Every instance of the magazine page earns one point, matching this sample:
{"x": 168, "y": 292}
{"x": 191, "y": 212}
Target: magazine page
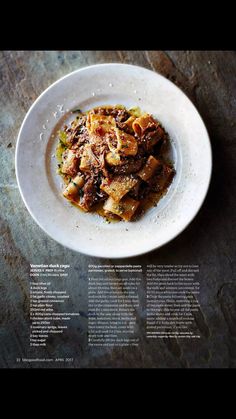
{"x": 117, "y": 209}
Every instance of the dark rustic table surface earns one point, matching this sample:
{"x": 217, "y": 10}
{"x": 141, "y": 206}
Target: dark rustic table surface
{"x": 209, "y": 80}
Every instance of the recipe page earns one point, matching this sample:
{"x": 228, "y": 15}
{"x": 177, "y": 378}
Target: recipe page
{"x": 117, "y": 245}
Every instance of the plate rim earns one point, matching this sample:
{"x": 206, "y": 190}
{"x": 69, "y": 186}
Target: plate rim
{"x": 95, "y": 254}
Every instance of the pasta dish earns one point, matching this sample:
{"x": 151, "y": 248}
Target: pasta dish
{"x": 113, "y": 161}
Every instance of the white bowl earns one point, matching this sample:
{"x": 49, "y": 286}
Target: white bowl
{"x": 88, "y": 233}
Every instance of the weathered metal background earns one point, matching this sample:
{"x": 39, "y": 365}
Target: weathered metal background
{"x": 209, "y": 79}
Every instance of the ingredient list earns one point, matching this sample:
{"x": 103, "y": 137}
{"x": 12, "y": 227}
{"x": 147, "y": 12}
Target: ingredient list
{"x": 47, "y": 314}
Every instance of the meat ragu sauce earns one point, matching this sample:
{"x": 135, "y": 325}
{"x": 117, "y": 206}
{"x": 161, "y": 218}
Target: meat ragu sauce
{"x": 112, "y": 162}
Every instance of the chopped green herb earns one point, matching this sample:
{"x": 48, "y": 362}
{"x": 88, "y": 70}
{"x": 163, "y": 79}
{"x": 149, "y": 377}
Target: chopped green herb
{"x": 63, "y": 137}
{"x": 76, "y": 110}
{"x": 135, "y": 111}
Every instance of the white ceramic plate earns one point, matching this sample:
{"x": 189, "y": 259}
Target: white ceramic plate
{"x": 41, "y": 187}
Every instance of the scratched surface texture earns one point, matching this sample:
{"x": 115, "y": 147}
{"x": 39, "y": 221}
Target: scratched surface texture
{"x": 208, "y": 78}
